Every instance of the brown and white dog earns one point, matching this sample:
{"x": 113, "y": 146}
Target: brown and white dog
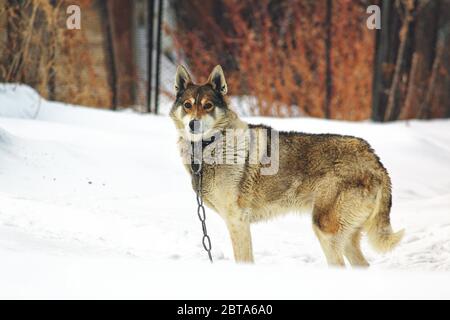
{"x": 338, "y": 178}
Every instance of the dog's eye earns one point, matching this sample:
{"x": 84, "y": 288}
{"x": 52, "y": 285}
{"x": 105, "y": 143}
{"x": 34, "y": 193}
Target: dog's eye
{"x": 207, "y": 106}
{"x": 187, "y": 105}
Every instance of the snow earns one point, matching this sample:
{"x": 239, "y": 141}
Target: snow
{"x": 96, "y": 204}
{"x": 18, "y": 101}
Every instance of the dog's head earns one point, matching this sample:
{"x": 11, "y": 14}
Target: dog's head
{"x": 200, "y": 111}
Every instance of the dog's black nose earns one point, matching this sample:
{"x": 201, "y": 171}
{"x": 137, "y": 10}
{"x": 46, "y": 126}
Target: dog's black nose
{"x": 194, "y": 125}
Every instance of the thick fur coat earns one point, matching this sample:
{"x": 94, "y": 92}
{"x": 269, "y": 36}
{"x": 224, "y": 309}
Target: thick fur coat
{"x": 339, "y": 179}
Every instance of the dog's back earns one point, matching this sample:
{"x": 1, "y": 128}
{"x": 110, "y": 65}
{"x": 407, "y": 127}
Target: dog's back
{"x": 339, "y": 177}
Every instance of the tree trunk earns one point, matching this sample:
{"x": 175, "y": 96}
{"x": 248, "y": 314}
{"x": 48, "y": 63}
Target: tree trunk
{"x": 158, "y": 54}
{"x": 425, "y": 35}
{"x": 439, "y": 101}
{"x": 328, "y": 75}
{"x": 387, "y": 42}
{"x": 416, "y": 85}
{"x": 150, "y": 14}
{"x": 393, "y": 98}
{"x": 111, "y": 53}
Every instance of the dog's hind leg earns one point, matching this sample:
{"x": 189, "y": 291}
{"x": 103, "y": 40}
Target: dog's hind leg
{"x": 331, "y": 246}
{"x": 353, "y": 252}
{"x": 329, "y": 231}
{"x": 241, "y": 239}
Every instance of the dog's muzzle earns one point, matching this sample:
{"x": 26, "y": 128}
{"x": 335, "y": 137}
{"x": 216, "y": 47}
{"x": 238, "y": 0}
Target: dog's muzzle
{"x": 195, "y": 126}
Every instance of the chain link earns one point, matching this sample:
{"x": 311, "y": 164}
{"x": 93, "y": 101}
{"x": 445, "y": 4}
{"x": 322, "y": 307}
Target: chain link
{"x": 206, "y": 240}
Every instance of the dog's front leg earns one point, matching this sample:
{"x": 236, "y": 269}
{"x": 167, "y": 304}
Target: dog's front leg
{"x": 241, "y": 239}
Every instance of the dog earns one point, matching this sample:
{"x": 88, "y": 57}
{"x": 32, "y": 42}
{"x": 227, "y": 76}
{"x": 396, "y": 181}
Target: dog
{"x": 338, "y": 178}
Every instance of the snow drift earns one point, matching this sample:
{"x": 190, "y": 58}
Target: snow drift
{"x": 18, "y": 101}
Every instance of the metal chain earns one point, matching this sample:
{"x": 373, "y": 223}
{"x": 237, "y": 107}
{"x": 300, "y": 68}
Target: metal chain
{"x": 206, "y": 241}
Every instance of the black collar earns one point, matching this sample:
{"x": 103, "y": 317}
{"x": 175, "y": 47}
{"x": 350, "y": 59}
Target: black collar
{"x": 208, "y": 142}
{"x": 195, "y": 166}
{"x": 205, "y": 143}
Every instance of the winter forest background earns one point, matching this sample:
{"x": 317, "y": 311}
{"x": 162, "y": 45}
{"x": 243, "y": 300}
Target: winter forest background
{"x": 284, "y": 57}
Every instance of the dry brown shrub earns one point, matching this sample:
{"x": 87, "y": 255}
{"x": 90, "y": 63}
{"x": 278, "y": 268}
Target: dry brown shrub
{"x": 40, "y": 51}
{"x": 274, "y": 51}
{"x": 352, "y": 56}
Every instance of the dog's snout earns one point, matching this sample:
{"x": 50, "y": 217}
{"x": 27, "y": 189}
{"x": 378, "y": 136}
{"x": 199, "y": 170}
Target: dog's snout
{"x": 194, "y": 125}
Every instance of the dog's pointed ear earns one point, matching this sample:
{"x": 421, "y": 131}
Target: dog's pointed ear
{"x": 217, "y": 80}
{"x": 182, "y": 79}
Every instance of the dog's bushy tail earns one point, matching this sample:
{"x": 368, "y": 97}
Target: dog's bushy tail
{"x": 378, "y": 227}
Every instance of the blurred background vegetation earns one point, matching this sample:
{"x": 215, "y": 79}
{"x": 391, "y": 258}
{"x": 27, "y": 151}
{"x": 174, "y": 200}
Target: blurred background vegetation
{"x": 281, "y": 57}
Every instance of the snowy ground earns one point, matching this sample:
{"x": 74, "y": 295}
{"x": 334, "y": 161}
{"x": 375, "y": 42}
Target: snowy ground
{"x": 96, "y": 204}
